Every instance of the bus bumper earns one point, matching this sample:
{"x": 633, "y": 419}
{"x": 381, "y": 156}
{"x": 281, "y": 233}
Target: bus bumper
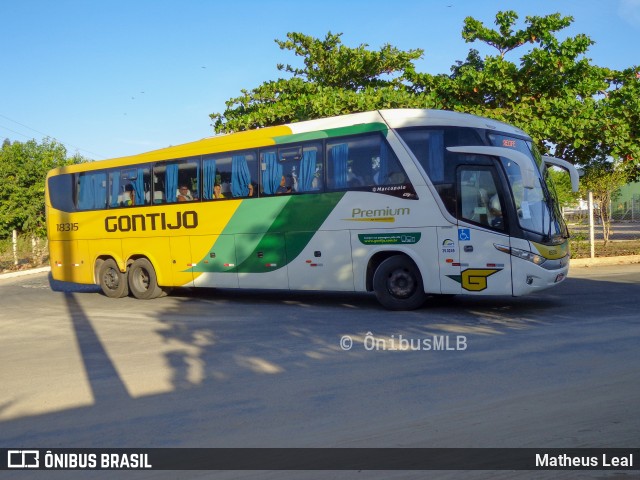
{"x": 529, "y": 278}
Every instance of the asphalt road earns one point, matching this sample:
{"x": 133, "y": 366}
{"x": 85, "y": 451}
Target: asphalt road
{"x": 269, "y": 369}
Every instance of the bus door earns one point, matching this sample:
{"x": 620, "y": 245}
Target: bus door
{"x": 484, "y": 270}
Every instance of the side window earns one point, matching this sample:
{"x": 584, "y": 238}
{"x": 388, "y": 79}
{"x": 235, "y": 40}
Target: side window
{"x": 129, "y": 187}
{"x": 311, "y": 173}
{"x": 289, "y": 157}
{"x": 91, "y": 190}
{"x": 291, "y": 169}
{"x": 429, "y": 147}
{"x": 61, "y": 192}
{"x": 176, "y": 181}
{"x": 363, "y": 163}
{"x": 229, "y": 175}
{"x": 479, "y": 200}
{"x": 279, "y": 172}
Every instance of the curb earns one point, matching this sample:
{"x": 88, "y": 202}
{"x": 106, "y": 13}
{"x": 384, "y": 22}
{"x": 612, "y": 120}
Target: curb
{"x": 604, "y": 261}
{"x": 22, "y": 273}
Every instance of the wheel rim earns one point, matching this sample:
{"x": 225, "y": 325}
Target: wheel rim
{"x": 142, "y": 279}
{"x": 111, "y": 279}
{"x": 401, "y": 284}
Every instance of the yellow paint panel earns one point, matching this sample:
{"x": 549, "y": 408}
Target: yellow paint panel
{"x": 69, "y": 261}
{"x": 236, "y": 141}
{"x": 552, "y": 252}
{"x": 140, "y": 231}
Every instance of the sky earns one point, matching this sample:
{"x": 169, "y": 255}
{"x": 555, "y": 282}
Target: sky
{"x": 110, "y": 78}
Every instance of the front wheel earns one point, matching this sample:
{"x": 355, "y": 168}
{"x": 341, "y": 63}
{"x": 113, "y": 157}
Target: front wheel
{"x": 398, "y": 284}
{"x": 143, "y": 283}
{"x": 112, "y": 281}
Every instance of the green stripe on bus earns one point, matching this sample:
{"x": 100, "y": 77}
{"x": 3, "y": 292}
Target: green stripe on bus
{"x": 303, "y": 214}
{"x": 255, "y": 235}
{"x": 332, "y": 132}
{"x": 254, "y": 217}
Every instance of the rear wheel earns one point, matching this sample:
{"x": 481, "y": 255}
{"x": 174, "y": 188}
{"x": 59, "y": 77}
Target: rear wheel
{"x": 143, "y": 283}
{"x": 113, "y": 282}
{"x": 398, "y": 284}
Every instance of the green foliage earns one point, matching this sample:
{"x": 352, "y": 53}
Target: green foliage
{"x": 539, "y": 29}
{"x": 573, "y": 109}
{"x": 23, "y": 169}
{"x": 329, "y": 63}
{"x": 335, "y": 80}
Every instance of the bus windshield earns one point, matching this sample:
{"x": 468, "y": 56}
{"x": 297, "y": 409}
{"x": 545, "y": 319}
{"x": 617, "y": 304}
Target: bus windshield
{"x": 536, "y": 207}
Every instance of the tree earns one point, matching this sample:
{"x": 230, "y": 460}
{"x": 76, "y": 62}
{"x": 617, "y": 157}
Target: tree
{"x": 572, "y": 109}
{"x": 335, "y": 80}
{"x": 23, "y": 169}
{"x": 555, "y": 93}
{"x": 584, "y": 113}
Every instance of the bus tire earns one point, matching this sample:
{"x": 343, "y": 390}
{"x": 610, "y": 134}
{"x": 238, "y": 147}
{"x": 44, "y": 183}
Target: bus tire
{"x": 398, "y": 285}
{"x": 112, "y": 281}
{"x": 143, "y": 283}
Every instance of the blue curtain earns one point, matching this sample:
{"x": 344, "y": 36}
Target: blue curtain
{"x": 115, "y": 189}
{"x": 435, "y": 159}
{"x": 138, "y": 186}
{"x": 272, "y": 173}
{"x": 240, "y": 176}
{"x": 209, "y": 178}
{"x": 171, "y": 183}
{"x": 339, "y": 155}
{"x": 307, "y": 170}
{"x": 93, "y": 191}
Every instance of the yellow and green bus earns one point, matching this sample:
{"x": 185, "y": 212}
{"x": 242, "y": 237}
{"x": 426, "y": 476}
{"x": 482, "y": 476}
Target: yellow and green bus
{"x": 404, "y": 203}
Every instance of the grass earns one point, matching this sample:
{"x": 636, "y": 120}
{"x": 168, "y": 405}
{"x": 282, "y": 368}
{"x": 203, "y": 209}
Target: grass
{"x": 24, "y": 253}
{"x": 580, "y": 248}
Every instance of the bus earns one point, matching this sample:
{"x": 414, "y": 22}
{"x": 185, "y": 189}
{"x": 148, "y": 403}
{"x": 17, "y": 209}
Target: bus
{"x": 404, "y": 203}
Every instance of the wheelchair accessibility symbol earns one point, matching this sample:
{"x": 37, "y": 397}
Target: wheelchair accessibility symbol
{"x": 464, "y": 234}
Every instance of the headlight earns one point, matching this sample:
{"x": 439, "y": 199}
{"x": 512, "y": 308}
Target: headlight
{"x": 524, "y": 254}
{"x": 529, "y": 256}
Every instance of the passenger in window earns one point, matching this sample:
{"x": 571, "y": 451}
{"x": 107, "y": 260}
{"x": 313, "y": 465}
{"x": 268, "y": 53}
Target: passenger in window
{"x": 131, "y": 194}
{"x": 283, "y": 189}
{"x": 217, "y": 191}
{"x": 184, "y": 195}
{"x": 250, "y": 194}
